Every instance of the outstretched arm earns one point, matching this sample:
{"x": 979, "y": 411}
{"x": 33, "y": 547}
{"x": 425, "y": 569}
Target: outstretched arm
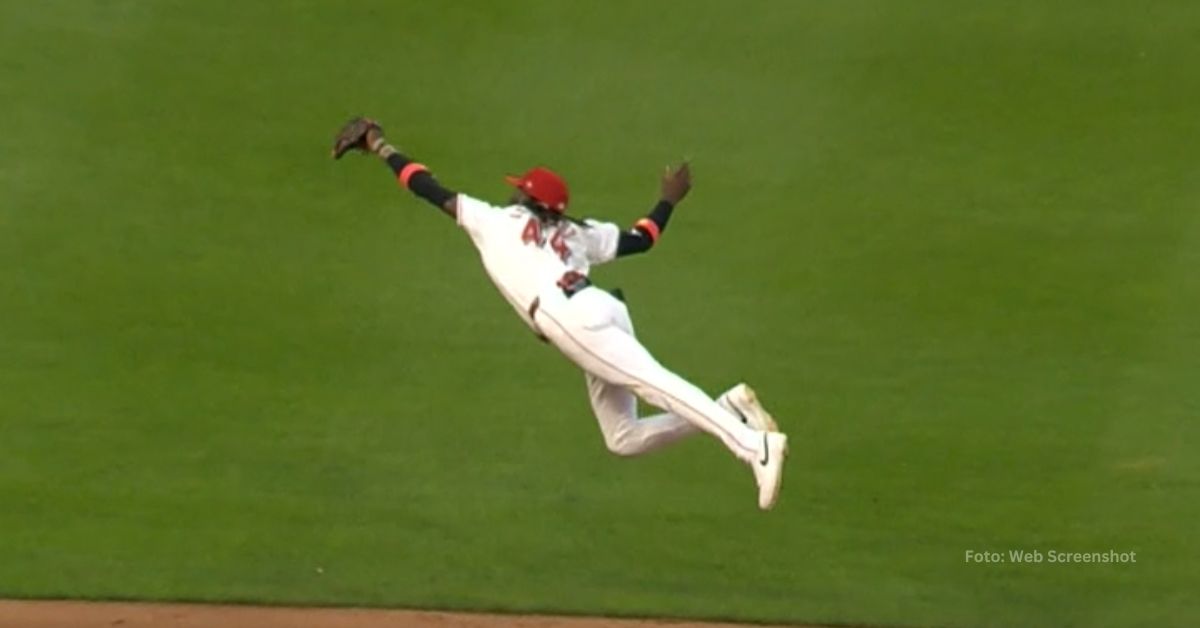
{"x": 646, "y": 231}
{"x": 413, "y": 175}
{"x": 366, "y": 135}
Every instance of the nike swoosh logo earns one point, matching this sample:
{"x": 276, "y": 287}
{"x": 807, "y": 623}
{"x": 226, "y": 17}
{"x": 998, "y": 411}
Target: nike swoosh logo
{"x": 766, "y": 451}
{"x": 745, "y": 421}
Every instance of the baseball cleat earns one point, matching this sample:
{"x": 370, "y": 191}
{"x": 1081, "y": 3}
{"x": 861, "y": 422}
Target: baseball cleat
{"x": 742, "y": 402}
{"x": 768, "y": 468}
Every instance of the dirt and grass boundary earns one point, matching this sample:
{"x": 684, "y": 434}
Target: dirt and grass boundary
{"x": 80, "y": 614}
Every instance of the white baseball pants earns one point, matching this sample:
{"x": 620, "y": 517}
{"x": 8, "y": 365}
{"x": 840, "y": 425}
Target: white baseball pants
{"x": 593, "y": 329}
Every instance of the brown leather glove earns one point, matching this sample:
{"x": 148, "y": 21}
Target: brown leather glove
{"x": 353, "y": 136}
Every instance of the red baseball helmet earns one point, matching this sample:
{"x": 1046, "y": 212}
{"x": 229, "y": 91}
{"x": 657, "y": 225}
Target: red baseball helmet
{"x": 543, "y": 186}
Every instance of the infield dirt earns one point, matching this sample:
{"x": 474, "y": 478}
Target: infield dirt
{"x": 70, "y": 614}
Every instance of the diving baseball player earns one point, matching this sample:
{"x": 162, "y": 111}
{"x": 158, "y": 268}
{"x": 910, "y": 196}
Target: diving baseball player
{"x": 539, "y": 258}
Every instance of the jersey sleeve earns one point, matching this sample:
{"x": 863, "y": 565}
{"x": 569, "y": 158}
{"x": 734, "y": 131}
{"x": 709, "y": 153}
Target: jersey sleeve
{"x": 600, "y": 241}
{"x": 472, "y": 214}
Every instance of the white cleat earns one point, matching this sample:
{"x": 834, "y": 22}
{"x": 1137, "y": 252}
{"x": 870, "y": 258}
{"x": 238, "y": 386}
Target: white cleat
{"x": 768, "y": 468}
{"x": 742, "y": 403}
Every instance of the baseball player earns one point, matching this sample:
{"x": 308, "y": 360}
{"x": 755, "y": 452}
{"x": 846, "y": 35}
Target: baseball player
{"x": 539, "y": 258}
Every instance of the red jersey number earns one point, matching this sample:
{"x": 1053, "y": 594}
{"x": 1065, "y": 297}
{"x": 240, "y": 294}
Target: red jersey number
{"x": 558, "y": 242}
{"x": 532, "y": 234}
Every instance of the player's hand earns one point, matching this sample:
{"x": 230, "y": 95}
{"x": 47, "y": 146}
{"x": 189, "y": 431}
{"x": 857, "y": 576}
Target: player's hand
{"x": 373, "y": 138}
{"x": 676, "y": 183}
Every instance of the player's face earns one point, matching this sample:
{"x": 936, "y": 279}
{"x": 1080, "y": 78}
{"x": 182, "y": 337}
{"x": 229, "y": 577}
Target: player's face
{"x": 518, "y": 198}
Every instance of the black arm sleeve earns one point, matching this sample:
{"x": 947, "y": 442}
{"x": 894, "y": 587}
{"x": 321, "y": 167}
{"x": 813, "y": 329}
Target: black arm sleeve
{"x": 421, "y": 183}
{"x": 661, "y": 214}
{"x": 641, "y": 237}
{"x": 633, "y": 241}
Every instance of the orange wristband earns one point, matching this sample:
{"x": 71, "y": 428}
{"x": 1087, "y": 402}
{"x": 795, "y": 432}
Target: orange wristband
{"x": 409, "y": 170}
{"x": 650, "y": 227}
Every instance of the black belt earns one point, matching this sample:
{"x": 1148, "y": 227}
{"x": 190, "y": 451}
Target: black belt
{"x": 571, "y": 283}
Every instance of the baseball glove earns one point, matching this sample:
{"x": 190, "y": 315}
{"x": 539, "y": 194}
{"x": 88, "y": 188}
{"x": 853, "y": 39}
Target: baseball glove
{"x": 353, "y": 136}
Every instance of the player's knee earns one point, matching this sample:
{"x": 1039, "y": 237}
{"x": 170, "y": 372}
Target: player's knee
{"x": 622, "y": 444}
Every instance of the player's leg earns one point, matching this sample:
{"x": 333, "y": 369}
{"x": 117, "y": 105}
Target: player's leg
{"x": 616, "y": 411}
{"x": 616, "y": 407}
{"x": 624, "y": 433}
{"x": 618, "y": 357}
{"x": 589, "y": 331}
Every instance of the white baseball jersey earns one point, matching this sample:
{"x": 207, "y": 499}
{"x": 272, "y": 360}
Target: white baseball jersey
{"x": 524, "y": 257}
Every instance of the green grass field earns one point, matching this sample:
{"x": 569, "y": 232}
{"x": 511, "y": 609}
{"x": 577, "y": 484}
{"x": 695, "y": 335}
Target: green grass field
{"x": 955, "y": 246}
